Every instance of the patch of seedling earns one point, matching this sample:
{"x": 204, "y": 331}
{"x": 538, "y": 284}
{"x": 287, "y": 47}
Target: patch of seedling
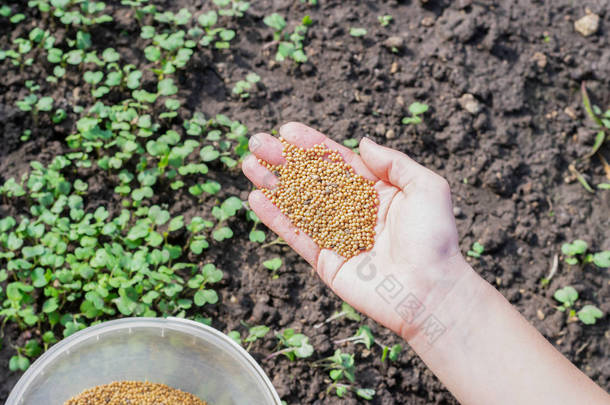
{"x": 254, "y": 333}
{"x": 577, "y": 252}
{"x": 242, "y": 87}
{"x": 357, "y": 31}
{"x": 417, "y": 111}
{"x": 601, "y": 121}
{"x": 385, "y": 20}
{"x": 342, "y": 372}
{"x": 567, "y": 296}
{"x": 292, "y": 345}
{"x": 66, "y": 265}
{"x": 273, "y": 265}
{"x": 365, "y": 336}
{"x": 347, "y": 311}
{"x": 289, "y": 45}
{"x": 476, "y": 250}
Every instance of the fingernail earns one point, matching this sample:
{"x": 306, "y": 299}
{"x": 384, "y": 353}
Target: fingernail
{"x": 254, "y": 143}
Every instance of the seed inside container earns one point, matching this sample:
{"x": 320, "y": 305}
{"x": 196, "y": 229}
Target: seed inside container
{"x": 323, "y": 196}
{"x": 134, "y": 392}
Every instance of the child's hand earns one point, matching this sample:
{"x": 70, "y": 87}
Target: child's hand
{"x": 416, "y": 237}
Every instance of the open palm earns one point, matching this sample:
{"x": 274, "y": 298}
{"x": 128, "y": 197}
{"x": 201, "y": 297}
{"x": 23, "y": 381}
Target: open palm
{"x": 415, "y": 232}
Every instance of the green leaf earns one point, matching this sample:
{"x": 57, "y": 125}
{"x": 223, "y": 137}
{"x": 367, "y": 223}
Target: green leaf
{"x": 18, "y": 363}
{"x": 211, "y": 187}
{"x": 477, "y": 247}
{"x": 197, "y": 245}
{"x": 166, "y": 87}
{"x": 176, "y": 223}
{"x": 366, "y": 393}
{"x": 256, "y": 332}
{"x": 223, "y": 233}
{"x": 273, "y": 264}
{"x": 587, "y": 104}
{"x": 231, "y": 205}
{"x": 578, "y": 247}
{"x": 211, "y": 274}
{"x": 418, "y": 108}
{"x": 589, "y": 314}
{"x": 50, "y": 305}
{"x": 395, "y": 352}
{"x": 110, "y": 55}
{"x": 350, "y": 312}
{"x": 275, "y": 21}
{"x": 235, "y": 336}
{"x": 357, "y": 32}
{"x": 304, "y": 351}
{"x": 566, "y": 295}
{"x": 366, "y": 336}
{"x": 203, "y": 297}
{"x": 152, "y": 53}
{"x": 602, "y": 259}
{"x": 44, "y": 104}
{"x": 257, "y": 236}
{"x": 208, "y": 153}
{"x": 208, "y": 19}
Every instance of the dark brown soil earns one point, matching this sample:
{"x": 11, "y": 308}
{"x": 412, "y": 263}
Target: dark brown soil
{"x": 507, "y": 164}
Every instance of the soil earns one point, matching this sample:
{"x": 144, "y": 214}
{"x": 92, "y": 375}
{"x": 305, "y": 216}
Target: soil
{"x": 507, "y": 160}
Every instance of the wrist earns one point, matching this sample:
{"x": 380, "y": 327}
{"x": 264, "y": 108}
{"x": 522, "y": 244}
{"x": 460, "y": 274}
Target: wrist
{"x": 448, "y": 287}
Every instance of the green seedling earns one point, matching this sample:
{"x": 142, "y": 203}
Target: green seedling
{"x": 357, "y": 32}
{"x": 273, "y": 265}
{"x": 417, "y": 111}
{"x": 277, "y": 22}
{"x": 385, "y": 20}
{"x": 288, "y": 45}
{"x": 602, "y": 123}
{"x": 232, "y": 8}
{"x": 352, "y": 143}
{"x": 342, "y": 369}
{"x": 363, "y": 335}
{"x": 589, "y": 314}
{"x": 140, "y": 8}
{"x": 346, "y": 312}
{"x": 34, "y": 104}
{"x": 255, "y": 235}
{"x": 567, "y": 296}
{"x": 292, "y": 345}
{"x": 476, "y": 250}
{"x": 242, "y": 87}
{"x": 574, "y": 250}
{"x": 255, "y": 333}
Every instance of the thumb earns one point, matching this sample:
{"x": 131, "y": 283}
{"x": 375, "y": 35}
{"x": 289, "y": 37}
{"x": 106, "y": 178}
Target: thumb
{"x": 390, "y": 165}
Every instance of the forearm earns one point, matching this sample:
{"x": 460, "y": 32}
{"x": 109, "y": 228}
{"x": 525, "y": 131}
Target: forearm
{"x": 488, "y": 353}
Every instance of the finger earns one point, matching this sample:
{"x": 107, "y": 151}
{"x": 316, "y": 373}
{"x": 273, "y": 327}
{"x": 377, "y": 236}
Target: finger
{"x": 271, "y": 216}
{"x": 257, "y": 173}
{"x": 390, "y": 165}
{"x": 306, "y": 137}
{"x": 266, "y": 147}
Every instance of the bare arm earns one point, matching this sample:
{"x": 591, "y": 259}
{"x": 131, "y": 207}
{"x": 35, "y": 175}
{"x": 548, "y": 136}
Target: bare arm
{"x": 415, "y": 282}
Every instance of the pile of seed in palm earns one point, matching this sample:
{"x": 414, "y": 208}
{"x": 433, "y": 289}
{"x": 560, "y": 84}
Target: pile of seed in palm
{"x": 134, "y": 393}
{"x": 324, "y": 197}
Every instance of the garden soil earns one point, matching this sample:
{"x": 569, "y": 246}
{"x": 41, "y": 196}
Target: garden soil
{"x": 505, "y": 151}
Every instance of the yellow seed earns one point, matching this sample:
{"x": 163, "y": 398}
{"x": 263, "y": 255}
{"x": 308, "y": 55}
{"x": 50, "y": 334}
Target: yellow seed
{"x": 325, "y": 198}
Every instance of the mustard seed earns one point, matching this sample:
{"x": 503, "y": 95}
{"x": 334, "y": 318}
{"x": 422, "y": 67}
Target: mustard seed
{"x": 132, "y": 393}
{"x": 325, "y": 198}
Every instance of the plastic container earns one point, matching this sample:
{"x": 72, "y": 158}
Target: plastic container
{"x": 182, "y": 354}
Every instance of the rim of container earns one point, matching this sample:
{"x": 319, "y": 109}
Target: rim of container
{"x": 195, "y": 328}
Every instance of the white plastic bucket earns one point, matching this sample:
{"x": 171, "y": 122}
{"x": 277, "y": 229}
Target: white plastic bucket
{"x": 182, "y": 354}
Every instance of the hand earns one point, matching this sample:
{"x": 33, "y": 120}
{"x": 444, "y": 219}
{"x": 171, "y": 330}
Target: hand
{"x": 416, "y": 239}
